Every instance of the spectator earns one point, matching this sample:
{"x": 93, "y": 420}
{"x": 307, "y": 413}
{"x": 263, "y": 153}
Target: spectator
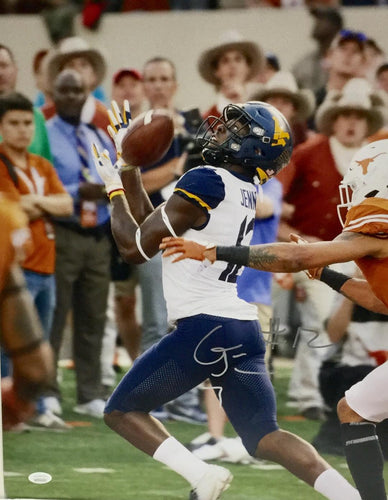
{"x": 121, "y": 315}
{"x": 382, "y": 77}
{"x": 374, "y": 57}
{"x": 83, "y": 244}
{"x": 127, "y": 83}
{"x": 8, "y": 77}
{"x": 297, "y": 105}
{"x": 39, "y": 69}
{"x": 42, "y": 196}
{"x": 75, "y": 53}
{"x": 229, "y": 67}
{"x": 160, "y": 87}
{"x": 346, "y": 59}
{"x": 271, "y": 66}
{"x": 311, "y": 71}
{"x": 346, "y": 119}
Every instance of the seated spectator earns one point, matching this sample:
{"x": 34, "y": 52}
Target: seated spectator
{"x": 74, "y": 53}
{"x": 229, "y": 67}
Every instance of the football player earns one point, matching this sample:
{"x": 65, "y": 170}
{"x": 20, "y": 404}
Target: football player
{"x": 217, "y": 335}
{"x": 21, "y": 333}
{"x": 363, "y": 239}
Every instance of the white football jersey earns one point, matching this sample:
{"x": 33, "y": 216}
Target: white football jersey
{"x": 192, "y": 287}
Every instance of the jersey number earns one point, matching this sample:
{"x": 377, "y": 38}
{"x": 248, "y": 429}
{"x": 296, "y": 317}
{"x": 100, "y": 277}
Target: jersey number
{"x": 231, "y": 271}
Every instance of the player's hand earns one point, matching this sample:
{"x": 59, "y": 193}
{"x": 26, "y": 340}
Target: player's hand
{"x": 312, "y": 274}
{"x": 186, "y": 248}
{"x": 108, "y": 172}
{"x": 119, "y": 123}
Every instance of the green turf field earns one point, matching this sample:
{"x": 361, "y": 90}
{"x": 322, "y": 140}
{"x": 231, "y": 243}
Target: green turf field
{"x": 90, "y": 462}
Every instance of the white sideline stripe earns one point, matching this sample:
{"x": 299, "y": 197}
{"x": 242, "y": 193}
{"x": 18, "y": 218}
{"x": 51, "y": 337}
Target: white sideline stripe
{"x": 93, "y": 470}
{"x": 13, "y": 474}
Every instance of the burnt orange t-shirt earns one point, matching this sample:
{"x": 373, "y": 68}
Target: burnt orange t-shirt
{"x": 371, "y": 218}
{"x": 14, "y": 235}
{"x": 39, "y": 178}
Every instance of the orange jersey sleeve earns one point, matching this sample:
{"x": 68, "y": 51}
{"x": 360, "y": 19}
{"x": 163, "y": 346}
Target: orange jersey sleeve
{"x": 371, "y": 218}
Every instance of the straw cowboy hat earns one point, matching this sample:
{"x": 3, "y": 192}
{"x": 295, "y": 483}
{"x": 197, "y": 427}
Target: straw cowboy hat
{"x": 357, "y": 95}
{"x": 283, "y": 83}
{"x": 208, "y": 60}
{"x": 76, "y": 47}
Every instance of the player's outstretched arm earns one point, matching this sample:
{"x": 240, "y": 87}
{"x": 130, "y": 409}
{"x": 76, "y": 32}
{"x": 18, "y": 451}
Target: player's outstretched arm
{"x": 286, "y": 257}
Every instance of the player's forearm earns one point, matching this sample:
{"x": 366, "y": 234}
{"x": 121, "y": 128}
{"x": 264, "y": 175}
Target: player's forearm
{"x": 292, "y": 258}
{"x": 137, "y": 198}
{"x": 60, "y": 204}
{"x": 124, "y": 227}
{"x": 277, "y": 257}
{"x": 360, "y": 292}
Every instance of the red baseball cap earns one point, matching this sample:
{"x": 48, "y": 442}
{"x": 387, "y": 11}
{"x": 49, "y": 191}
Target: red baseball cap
{"x": 127, "y": 71}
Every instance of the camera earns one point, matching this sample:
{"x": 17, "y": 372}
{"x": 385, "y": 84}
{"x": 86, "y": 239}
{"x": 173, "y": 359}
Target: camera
{"x": 187, "y": 142}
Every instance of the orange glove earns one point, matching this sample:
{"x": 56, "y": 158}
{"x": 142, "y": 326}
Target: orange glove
{"x": 15, "y": 410}
{"x": 186, "y": 248}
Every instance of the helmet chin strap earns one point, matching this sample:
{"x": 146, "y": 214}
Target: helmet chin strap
{"x": 262, "y": 175}
{"x": 213, "y": 156}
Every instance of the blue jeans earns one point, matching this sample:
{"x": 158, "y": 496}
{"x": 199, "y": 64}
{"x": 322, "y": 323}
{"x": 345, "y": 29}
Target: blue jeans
{"x": 154, "y": 313}
{"x": 42, "y": 290}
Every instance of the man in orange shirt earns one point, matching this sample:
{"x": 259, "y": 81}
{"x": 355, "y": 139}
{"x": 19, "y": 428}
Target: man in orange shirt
{"x": 34, "y": 181}
{"x": 364, "y": 240}
{"x": 21, "y": 334}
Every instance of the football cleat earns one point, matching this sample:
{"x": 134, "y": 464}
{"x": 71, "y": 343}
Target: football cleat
{"x": 216, "y": 480}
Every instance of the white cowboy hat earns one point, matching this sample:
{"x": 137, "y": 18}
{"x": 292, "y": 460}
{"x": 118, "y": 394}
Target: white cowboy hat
{"x": 357, "y": 95}
{"x": 208, "y": 60}
{"x": 76, "y": 47}
{"x": 283, "y": 83}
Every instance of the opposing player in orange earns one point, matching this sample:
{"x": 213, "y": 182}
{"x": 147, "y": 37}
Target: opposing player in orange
{"x": 21, "y": 333}
{"x": 364, "y": 240}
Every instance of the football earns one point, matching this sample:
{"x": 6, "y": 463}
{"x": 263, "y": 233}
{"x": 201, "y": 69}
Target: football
{"x": 148, "y": 138}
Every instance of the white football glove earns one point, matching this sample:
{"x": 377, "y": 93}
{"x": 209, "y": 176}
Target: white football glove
{"x": 119, "y": 123}
{"x": 108, "y": 172}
